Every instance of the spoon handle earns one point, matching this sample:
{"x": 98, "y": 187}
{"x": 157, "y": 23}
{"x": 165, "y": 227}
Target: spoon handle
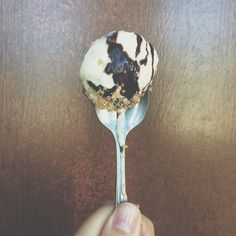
{"x": 121, "y": 195}
{"x": 124, "y": 197}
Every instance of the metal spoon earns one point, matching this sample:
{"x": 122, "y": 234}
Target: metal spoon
{"x": 120, "y": 125}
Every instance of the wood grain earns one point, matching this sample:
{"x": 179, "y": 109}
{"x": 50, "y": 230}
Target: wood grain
{"x": 57, "y": 162}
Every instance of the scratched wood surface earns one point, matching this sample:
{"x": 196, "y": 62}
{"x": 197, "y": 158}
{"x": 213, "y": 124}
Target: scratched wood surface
{"x": 57, "y": 162}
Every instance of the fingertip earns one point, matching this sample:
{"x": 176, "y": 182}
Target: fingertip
{"x": 125, "y": 220}
{"x": 126, "y": 217}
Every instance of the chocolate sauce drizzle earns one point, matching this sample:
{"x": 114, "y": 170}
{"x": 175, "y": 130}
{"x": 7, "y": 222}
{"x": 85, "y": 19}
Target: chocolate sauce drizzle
{"x": 123, "y": 69}
{"x": 152, "y": 53}
{"x": 144, "y": 61}
{"x": 139, "y": 42}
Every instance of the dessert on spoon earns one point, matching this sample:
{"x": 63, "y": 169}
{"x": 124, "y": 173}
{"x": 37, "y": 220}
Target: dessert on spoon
{"x": 116, "y": 73}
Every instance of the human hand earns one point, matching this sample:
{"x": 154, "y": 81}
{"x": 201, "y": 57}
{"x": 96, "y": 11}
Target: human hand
{"x": 125, "y": 220}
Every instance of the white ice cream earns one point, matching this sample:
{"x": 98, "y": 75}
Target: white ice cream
{"x": 121, "y": 63}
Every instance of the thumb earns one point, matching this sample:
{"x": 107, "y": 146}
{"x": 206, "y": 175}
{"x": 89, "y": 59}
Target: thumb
{"x": 125, "y": 220}
{"x": 94, "y": 224}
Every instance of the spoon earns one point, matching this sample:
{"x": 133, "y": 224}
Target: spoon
{"x": 120, "y": 124}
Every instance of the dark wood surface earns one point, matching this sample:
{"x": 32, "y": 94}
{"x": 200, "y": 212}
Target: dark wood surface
{"x": 57, "y": 162}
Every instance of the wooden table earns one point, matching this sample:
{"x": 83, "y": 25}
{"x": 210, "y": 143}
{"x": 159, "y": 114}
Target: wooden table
{"x": 57, "y": 162}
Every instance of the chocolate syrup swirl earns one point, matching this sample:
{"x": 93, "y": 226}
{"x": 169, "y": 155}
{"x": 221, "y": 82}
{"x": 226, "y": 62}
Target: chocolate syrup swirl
{"x": 152, "y": 53}
{"x": 124, "y": 69}
{"x": 139, "y": 42}
{"x": 144, "y": 61}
